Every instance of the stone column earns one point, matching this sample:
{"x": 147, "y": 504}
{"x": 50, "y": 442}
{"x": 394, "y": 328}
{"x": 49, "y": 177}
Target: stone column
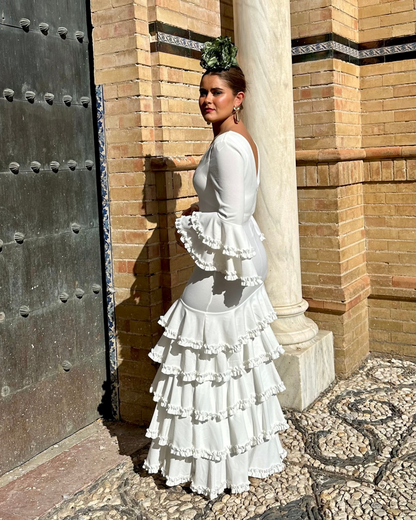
{"x": 262, "y": 29}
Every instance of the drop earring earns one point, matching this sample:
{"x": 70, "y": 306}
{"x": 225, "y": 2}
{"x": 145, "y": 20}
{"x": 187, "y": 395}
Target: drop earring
{"x": 236, "y": 112}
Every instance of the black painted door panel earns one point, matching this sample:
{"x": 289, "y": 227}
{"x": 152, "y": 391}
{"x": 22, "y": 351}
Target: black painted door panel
{"x": 52, "y": 335}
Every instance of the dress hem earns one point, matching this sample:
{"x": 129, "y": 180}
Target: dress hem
{"x": 219, "y": 455}
{"x": 235, "y": 488}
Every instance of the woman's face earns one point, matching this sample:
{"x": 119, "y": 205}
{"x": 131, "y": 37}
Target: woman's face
{"x": 216, "y": 99}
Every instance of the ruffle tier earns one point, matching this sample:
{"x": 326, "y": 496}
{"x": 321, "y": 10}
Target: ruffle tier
{"x": 193, "y": 365}
{"x": 209, "y": 400}
{"x": 217, "y": 440}
{"x": 221, "y": 331}
{"x": 218, "y": 245}
{"x": 211, "y": 478}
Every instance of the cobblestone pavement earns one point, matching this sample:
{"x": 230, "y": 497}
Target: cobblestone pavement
{"x": 352, "y": 456}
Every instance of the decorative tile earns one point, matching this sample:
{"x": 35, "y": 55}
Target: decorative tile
{"x": 108, "y": 256}
{"x": 174, "y": 40}
{"x": 325, "y": 46}
{"x": 384, "y": 51}
{"x": 180, "y": 42}
{"x": 347, "y": 50}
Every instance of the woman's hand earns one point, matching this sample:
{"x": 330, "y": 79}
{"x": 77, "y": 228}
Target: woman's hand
{"x": 194, "y": 207}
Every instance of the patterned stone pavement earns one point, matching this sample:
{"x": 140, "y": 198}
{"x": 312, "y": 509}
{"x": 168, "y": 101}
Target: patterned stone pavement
{"x": 352, "y": 456}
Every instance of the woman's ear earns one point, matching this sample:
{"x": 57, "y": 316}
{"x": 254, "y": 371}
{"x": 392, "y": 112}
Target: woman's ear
{"x": 239, "y": 98}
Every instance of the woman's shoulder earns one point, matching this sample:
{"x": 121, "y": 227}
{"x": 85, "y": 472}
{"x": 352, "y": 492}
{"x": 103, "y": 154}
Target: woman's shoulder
{"x": 232, "y": 140}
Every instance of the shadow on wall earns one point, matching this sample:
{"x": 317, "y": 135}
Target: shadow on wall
{"x": 157, "y": 281}
{"x": 150, "y": 294}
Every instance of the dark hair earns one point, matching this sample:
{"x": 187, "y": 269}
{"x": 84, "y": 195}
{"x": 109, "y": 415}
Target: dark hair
{"x": 234, "y": 76}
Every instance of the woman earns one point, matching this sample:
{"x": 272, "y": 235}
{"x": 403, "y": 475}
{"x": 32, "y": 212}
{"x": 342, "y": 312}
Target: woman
{"x": 217, "y": 416}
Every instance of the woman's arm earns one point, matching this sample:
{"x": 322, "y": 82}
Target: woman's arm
{"x": 221, "y": 240}
{"x": 227, "y": 177}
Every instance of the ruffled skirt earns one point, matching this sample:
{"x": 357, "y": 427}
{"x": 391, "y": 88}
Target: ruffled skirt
{"x": 217, "y": 415}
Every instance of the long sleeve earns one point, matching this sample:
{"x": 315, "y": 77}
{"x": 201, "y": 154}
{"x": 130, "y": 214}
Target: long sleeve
{"x": 227, "y": 177}
{"x": 221, "y": 240}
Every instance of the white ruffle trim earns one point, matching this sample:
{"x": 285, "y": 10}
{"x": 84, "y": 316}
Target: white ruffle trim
{"x": 219, "y": 455}
{"x": 220, "y": 234}
{"x": 204, "y": 415}
{"x": 264, "y": 473}
{"x": 214, "y": 349}
{"x": 189, "y": 364}
{"x": 217, "y": 245}
{"x": 257, "y": 229}
{"x": 220, "y": 230}
{"x": 170, "y": 481}
{"x": 213, "y": 493}
{"x": 219, "y": 377}
{"x": 236, "y": 488}
{"x": 217, "y": 332}
{"x": 211, "y": 475}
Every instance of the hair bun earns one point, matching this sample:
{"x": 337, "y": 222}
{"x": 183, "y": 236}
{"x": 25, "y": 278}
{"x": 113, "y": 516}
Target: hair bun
{"x": 219, "y": 54}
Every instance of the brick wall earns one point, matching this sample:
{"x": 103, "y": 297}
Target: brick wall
{"x": 391, "y": 231}
{"x": 201, "y": 16}
{"x": 386, "y": 19}
{"x": 351, "y": 335}
{"x": 392, "y": 325}
{"x": 389, "y": 121}
{"x": 227, "y": 20}
{"x": 326, "y": 91}
{"x": 327, "y": 100}
{"x": 333, "y": 255}
{"x": 355, "y": 130}
{"x": 312, "y": 17}
{"x": 389, "y": 104}
{"x": 327, "y": 105}
{"x": 123, "y": 65}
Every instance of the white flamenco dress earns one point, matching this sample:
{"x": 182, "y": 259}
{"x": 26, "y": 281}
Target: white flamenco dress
{"x": 217, "y": 416}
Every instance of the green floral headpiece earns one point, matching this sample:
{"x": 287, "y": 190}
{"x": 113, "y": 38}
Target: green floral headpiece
{"x": 220, "y": 54}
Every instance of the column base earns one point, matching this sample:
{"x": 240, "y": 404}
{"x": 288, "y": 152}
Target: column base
{"x": 292, "y": 326}
{"x": 307, "y": 370}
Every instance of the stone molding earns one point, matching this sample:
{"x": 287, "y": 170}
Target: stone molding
{"x": 174, "y": 163}
{"x": 350, "y": 296}
{"x": 354, "y": 154}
